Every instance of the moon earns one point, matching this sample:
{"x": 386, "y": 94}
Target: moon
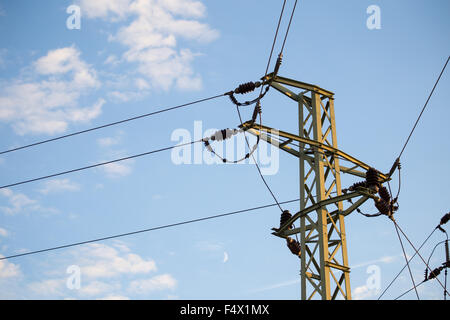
{"x": 225, "y": 257}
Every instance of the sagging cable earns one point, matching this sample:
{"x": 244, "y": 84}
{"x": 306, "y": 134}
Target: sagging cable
{"x": 222, "y": 135}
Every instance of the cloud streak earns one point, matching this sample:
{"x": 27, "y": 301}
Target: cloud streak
{"x": 21, "y": 203}
{"x": 47, "y": 101}
{"x": 151, "y": 34}
{"x": 59, "y": 185}
{"x": 385, "y": 259}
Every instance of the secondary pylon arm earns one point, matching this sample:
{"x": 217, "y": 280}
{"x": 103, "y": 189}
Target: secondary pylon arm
{"x": 284, "y": 141}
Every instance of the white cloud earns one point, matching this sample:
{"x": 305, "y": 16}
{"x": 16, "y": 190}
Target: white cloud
{"x": 112, "y": 60}
{"x": 276, "y": 286}
{"x": 385, "y": 259}
{"x": 118, "y": 169}
{"x": 107, "y": 272}
{"x": 151, "y": 38}
{"x": 209, "y": 246}
{"x": 156, "y": 283}
{"x": 187, "y": 8}
{"x": 59, "y": 185}
{"x": 115, "y": 297}
{"x": 96, "y": 288}
{"x": 48, "y": 287}
{"x": 107, "y": 141}
{"x": 141, "y": 84}
{"x": 86, "y": 114}
{"x": 8, "y": 269}
{"x": 64, "y": 60}
{"x": 363, "y": 292}
{"x": 3, "y": 232}
{"x": 105, "y": 9}
{"x": 48, "y": 101}
{"x": 19, "y": 202}
{"x": 124, "y": 96}
{"x": 102, "y": 261}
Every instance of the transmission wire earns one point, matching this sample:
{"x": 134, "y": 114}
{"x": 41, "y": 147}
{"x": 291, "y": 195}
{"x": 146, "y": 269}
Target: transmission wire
{"x": 98, "y": 164}
{"x": 424, "y": 107}
{"x": 110, "y": 124}
{"x": 406, "y": 258}
{"x": 420, "y": 256}
{"x": 398, "y": 274}
{"x": 145, "y": 230}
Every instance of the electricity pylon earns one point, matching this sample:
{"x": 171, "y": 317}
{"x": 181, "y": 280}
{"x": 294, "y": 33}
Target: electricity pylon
{"x": 323, "y": 245}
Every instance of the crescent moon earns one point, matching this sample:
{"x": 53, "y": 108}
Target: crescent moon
{"x": 225, "y": 257}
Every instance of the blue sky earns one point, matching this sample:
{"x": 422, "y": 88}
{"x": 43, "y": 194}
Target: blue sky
{"x": 131, "y": 57}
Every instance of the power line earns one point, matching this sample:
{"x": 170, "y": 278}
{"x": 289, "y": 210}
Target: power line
{"x": 401, "y": 152}
{"x": 267, "y": 69}
{"x": 406, "y": 258}
{"x": 413, "y": 288}
{"x": 98, "y": 164}
{"x": 432, "y": 252}
{"x": 274, "y": 40}
{"x": 145, "y": 230}
{"x": 110, "y": 124}
{"x": 423, "y": 109}
{"x": 420, "y": 256}
{"x": 257, "y": 166}
{"x": 289, "y": 26}
{"x": 398, "y": 274}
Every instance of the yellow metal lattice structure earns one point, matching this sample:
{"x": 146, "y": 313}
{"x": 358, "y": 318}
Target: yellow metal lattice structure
{"x": 324, "y": 262}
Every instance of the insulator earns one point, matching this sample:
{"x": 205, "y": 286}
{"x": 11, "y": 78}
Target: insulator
{"x": 278, "y": 64}
{"x": 356, "y": 185}
{"x": 372, "y": 179}
{"x": 426, "y": 274}
{"x": 208, "y": 146}
{"x": 223, "y": 134}
{"x": 435, "y": 273}
{"x": 384, "y": 194}
{"x": 233, "y": 99}
{"x": 285, "y": 216}
{"x": 395, "y": 166}
{"x": 245, "y": 87}
{"x": 447, "y": 254}
{"x": 383, "y": 207}
{"x": 256, "y": 111}
{"x": 445, "y": 219}
{"x": 294, "y": 246}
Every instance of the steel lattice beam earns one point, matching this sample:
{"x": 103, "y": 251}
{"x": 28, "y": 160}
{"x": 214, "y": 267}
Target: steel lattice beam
{"x": 324, "y": 261}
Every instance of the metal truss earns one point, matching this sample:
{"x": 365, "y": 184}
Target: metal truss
{"x": 324, "y": 261}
